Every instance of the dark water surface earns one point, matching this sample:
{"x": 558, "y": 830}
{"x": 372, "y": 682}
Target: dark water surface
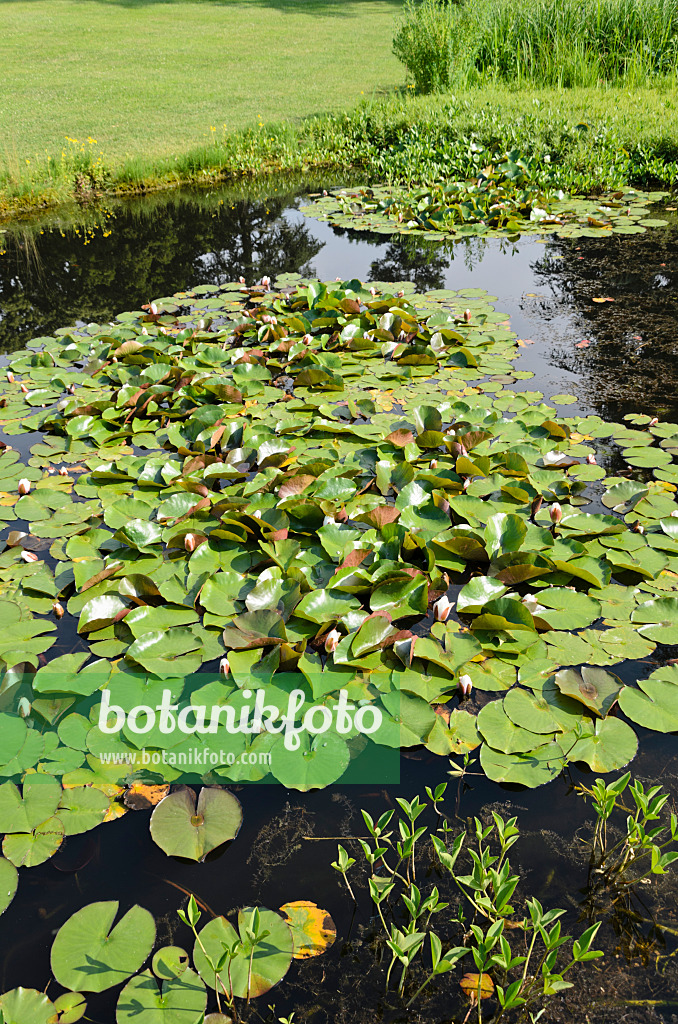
{"x": 57, "y": 272}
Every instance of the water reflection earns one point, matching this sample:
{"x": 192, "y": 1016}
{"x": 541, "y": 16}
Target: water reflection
{"x": 52, "y": 276}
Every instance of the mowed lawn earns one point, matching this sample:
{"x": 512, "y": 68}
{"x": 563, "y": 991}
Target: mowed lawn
{"x": 147, "y": 78}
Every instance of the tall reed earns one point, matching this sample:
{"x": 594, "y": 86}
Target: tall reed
{"x": 567, "y": 42}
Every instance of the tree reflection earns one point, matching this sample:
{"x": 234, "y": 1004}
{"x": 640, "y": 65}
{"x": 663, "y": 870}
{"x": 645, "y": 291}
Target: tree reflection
{"x": 50, "y": 278}
{"x": 630, "y": 363}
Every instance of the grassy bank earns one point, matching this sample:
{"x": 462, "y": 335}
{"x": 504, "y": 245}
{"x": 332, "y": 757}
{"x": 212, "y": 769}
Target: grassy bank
{"x": 584, "y": 139}
{"x": 161, "y": 78}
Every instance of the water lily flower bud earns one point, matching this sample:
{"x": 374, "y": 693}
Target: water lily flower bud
{"x": 466, "y": 484}
{"x": 530, "y": 602}
{"x": 29, "y": 556}
{"x": 224, "y": 667}
{"x": 10, "y": 376}
{"x": 154, "y": 309}
{"x": 373, "y": 291}
{"x": 653, "y": 422}
{"x": 266, "y": 282}
{"x": 465, "y": 685}
{"x": 24, "y": 486}
{"x": 674, "y": 514}
{"x": 24, "y": 707}
{"x": 556, "y": 513}
{"x": 190, "y": 542}
{"x": 332, "y": 640}
{"x": 58, "y": 610}
{"x": 307, "y": 339}
{"x": 400, "y": 294}
{"x": 467, "y": 316}
{"x": 63, "y": 471}
{"x": 591, "y": 459}
{"x": 329, "y": 521}
{"x": 442, "y": 608}
{"x": 257, "y": 513}
{"x": 433, "y": 464}
{"x": 241, "y": 280}
{"x": 325, "y": 192}
{"x": 71, "y": 389}
{"x": 24, "y": 389}
{"x": 265, "y": 319}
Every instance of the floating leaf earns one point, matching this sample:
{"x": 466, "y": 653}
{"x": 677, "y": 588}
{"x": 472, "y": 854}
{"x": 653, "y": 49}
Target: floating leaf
{"x": 89, "y": 955}
{"x": 182, "y": 829}
{"x": 313, "y": 930}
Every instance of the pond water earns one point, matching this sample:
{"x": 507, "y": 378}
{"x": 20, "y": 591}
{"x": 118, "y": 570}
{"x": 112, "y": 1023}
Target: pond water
{"x": 616, "y": 356}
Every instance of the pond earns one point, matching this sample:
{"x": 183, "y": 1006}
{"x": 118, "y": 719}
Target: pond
{"x": 595, "y": 318}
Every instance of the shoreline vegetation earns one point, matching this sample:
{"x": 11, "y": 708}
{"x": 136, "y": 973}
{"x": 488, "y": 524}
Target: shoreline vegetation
{"x": 583, "y": 139}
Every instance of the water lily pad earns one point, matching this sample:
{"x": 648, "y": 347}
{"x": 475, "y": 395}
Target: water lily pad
{"x": 654, "y": 705}
{"x": 88, "y": 955}
{"x": 182, "y": 829}
{"x": 596, "y": 689}
{"x": 26, "y": 1006}
{"x": 606, "y": 745}
{"x": 313, "y": 930}
{"x": 271, "y": 958}
{"x": 176, "y": 1001}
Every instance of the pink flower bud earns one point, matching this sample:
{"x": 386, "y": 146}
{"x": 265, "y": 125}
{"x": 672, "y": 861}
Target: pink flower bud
{"x": 556, "y": 513}
{"x": 653, "y": 422}
{"x": 190, "y": 542}
{"x": 332, "y": 640}
{"x": 154, "y": 309}
{"x": 307, "y": 339}
{"x": 63, "y": 471}
{"x": 373, "y": 292}
{"x": 241, "y": 280}
{"x": 442, "y": 608}
{"x": 29, "y": 556}
{"x": 401, "y": 295}
{"x": 24, "y": 389}
{"x": 591, "y": 459}
{"x": 465, "y": 685}
{"x": 24, "y": 486}
{"x": 10, "y": 376}
{"x": 266, "y": 282}
{"x": 224, "y": 667}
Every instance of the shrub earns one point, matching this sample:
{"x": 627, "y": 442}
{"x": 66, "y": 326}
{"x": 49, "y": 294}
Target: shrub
{"x": 424, "y": 42}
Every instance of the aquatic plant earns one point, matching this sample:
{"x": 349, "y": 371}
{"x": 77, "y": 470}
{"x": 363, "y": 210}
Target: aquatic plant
{"x": 90, "y": 954}
{"x": 480, "y": 924}
{"x": 508, "y": 196}
{"x": 296, "y": 477}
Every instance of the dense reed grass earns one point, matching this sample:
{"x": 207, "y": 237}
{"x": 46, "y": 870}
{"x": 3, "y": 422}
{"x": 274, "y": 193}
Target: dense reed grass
{"x": 549, "y": 43}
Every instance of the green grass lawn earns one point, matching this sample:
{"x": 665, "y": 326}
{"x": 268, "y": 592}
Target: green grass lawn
{"x": 147, "y": 78}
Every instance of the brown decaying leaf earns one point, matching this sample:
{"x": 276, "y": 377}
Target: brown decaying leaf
{"x": 139, "y": 797}
{"x": 471, "y": 983}
{"x": 313, "y": 930}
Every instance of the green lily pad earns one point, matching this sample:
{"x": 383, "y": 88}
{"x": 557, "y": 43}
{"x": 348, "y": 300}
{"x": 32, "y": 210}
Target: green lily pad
{"x": 183, "y": 829}
{"x": 88, "y": 955}
{"x": 179, "y": 1000}
{"x": 270, "y": 960}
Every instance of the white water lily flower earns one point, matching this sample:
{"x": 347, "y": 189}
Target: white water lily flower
{"x": 556, "y": 513}
{"x": 224, "y": 667}
{"x": 442, "y": 608}
{"x": 538, "y": 214}
{"x": 465, "y": 685}
{"x": 329, "y": 521}
{"x": 24, "y": 486}
{"x": 553, "y": 458}
{"x": 332, "y": 640}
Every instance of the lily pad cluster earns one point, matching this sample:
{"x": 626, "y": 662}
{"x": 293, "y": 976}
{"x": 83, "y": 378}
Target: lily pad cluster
{"x": 325, "y": 487}
{"x": 502, "y": 202}
{"x": 92, "y": 953}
